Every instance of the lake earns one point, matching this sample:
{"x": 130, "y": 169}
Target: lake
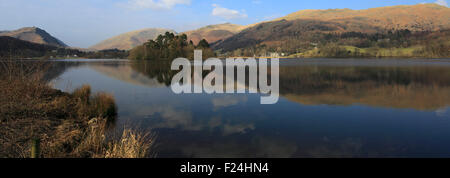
{"x": 327, "y": 108}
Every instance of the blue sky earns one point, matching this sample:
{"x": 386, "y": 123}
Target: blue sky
{"x": 82, "y": 23}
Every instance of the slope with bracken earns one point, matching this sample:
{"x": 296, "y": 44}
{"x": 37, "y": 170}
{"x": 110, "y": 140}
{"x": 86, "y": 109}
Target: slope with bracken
{"x": 130, "y": 40}
{"x": 213, "y": 33}
{"x": 309, "y": 26}
{"x": 419, "y": 17}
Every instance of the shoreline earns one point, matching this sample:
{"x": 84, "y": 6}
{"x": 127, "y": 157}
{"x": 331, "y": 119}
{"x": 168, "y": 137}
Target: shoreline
{"x": 60, "y": 124}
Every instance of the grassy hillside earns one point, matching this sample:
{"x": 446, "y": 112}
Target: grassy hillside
{"x": 213, "y": 33}
{"x": 420, "y": 31}
{"x": 419, "y": 17}
{"x": 130, "y": 40}
{"x": 277, "y": 32}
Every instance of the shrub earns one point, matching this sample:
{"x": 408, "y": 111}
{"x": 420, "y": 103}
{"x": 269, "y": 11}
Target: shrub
{"x": 104, "y": 105}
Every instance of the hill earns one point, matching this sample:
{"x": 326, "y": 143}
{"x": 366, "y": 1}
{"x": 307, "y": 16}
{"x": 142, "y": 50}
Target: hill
{"x": 12, "y": 47}
{"x": 276, "y": 33}
{"x": 418, "y": 17}
{"x": 309, "y": 29}
{"x": 213, "y": 33}
{"x": 130, "y": 40}
{"x": 35, "y": 35}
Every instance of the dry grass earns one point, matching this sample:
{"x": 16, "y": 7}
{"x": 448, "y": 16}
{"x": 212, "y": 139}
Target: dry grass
{"x": 103, "y": 105}
{"x": 65, "y": 123}
{"x": 96, "y": 144}
{"x": 99, "y": 105}
{"x": 131, "y": 144}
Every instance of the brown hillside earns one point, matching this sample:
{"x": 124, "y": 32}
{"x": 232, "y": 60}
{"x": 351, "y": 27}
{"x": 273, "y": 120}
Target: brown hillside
{"x": 413, "y": 17}
{"x": 130, "y": 40}
{"x": 304, "y": 27}
{"x": 213, "y": 33}
{"x": 34, "y": 35}
{"x": 276, "y": 32}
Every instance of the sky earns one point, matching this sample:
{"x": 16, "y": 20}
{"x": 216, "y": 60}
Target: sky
{"x": 83, "y": 23}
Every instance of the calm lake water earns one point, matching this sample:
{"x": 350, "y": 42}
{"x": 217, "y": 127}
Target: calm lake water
{"x": 327, "y": 108}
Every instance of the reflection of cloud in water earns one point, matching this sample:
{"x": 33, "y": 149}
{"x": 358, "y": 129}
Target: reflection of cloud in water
{"x": 257, "y": 147}
{"x": 230, "y": 129}
{"x": 228, "y": 101}
{"x": 442, "y": 112}
{"x": 273, "y": 147}
{"x": 167, "y": 117}
{"x": 237, "y": 128}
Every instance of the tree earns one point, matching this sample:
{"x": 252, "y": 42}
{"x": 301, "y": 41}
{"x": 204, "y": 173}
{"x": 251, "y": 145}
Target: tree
{"x": 203, "y": 44}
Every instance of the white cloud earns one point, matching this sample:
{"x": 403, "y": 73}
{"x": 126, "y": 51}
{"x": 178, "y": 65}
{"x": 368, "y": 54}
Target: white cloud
{"x": 442, "y": 3}
{"x": 156, "y": 4}
{"x": 227, "y": 13}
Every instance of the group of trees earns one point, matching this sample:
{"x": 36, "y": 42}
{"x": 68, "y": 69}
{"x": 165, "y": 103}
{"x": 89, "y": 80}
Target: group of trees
{"x": 107, "y": 54}
{"x": 169, "y": 47}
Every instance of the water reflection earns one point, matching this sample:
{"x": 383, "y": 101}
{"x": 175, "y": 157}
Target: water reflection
{"x": 159, "y": 70}
{"x": 326, "y": 109}
{"x": 418, "y": 87}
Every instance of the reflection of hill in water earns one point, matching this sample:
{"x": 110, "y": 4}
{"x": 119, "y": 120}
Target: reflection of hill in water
{"x": 127, "y": 74}
{"x": 55, "y": 69}
{"x": 415, "y": 87}
{"x": 419, "y": 87}
{"x": 119, "y": 70}
{"x": 159, "y": 70}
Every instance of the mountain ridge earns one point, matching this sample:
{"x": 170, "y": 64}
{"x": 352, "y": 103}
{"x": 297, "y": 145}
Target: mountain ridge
{"x": 34, "y": 35}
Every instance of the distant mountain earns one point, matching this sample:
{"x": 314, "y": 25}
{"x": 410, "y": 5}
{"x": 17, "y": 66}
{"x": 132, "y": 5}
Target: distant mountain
{"x": 213, "y": 33}
{"x": 35, "y": 35}
{"x": 304, "y": 26}
{"x": 130, "y": 40}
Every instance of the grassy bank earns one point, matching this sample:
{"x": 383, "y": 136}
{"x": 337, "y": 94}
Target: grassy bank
{"x": 339, "y": 51}
{"x": 67, "y": 124}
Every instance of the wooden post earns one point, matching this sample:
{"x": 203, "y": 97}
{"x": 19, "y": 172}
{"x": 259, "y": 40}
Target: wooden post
{"x": 35, "y": 148}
